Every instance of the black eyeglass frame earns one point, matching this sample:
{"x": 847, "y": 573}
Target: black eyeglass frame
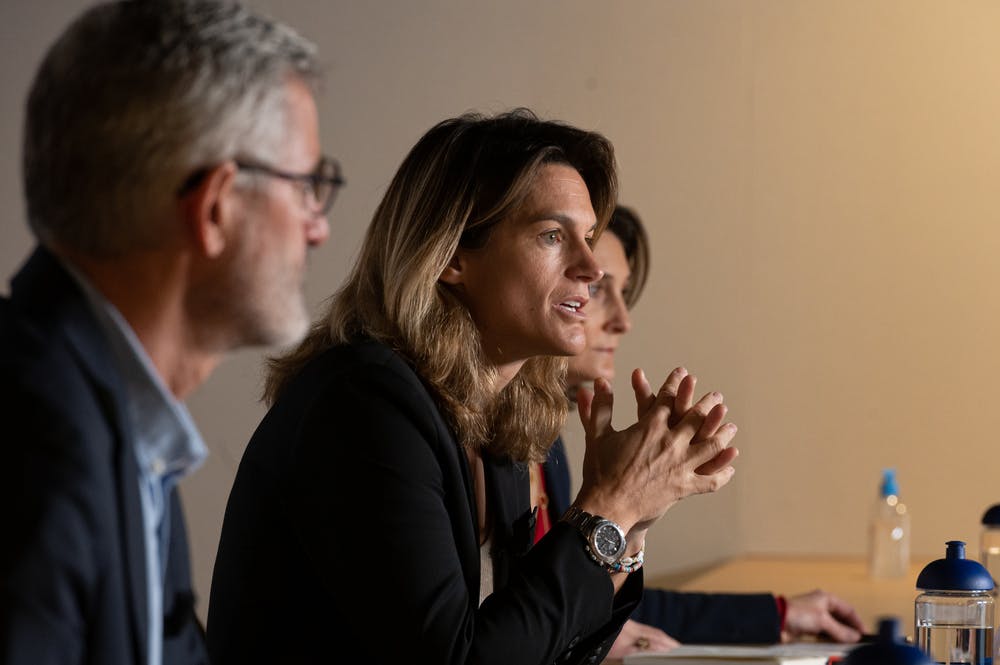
{"x": 327, "y": 174}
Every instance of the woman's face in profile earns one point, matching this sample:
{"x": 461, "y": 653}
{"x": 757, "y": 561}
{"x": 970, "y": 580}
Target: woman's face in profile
{"x": 607, "y": 314}
{"x": 527, "y": 288}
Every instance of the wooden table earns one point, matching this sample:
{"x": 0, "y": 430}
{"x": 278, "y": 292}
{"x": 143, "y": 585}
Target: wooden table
{"x": 791, "y": 575}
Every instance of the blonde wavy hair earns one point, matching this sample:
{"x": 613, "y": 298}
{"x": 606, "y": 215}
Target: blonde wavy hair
{"x": 461, "y": 179}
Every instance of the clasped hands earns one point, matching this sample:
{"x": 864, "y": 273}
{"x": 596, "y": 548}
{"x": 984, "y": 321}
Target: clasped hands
{"x": 676, "y": 448}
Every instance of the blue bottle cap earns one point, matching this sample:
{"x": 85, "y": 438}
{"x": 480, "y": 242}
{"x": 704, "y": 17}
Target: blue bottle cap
{"x": 889, "y": 484}
{"x": 888, "y": 649}
{"x": 992, "y": 516}
{"x": 954, "y": 572}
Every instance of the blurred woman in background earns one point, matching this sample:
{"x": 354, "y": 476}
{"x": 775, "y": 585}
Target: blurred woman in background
{"x": 666, "y": 617}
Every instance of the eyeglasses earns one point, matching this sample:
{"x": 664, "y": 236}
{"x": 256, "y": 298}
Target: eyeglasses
{"x": 319, "y": 188}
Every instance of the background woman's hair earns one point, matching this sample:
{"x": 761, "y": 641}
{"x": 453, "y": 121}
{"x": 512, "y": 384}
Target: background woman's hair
{"x": 627, "y": 227}
{"x": 460, "y": 180}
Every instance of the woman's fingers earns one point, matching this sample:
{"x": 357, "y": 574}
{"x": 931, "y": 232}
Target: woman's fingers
{"x": 676, "y": 394}
{"x": 690, "y": 423}
{"x": 677, "y": 448}
{"x": 683, "y": 398}
{"x": 665, "y": 397}
{"x": 717, "y": 463}
{"x": 703, "y": 484}
{"x": 601, "y": 408}
{"x": 644, "y": 396}
{"x": 705, "y": 451}
{"x": 710, "y": 425}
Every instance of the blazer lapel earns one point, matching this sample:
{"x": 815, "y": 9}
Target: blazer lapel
{"x": 513, "y": 520}
{"x": 44, "y": 288}
{"x": 133, "y": 548}
{"x": 557, "y": 483}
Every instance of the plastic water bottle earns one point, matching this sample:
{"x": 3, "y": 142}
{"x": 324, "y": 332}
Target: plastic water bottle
{"x": 989, "y": 555}
{"x": 954, "y": 615}
{"x": 889, "y": 543}
{"x": 989, "y": 541}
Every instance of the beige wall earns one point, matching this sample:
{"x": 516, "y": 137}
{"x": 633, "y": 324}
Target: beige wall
{"x": 820, "y": 183}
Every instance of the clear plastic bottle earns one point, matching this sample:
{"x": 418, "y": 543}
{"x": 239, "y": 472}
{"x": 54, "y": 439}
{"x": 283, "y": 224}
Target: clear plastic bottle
{"x": 889, "y": 541}
{"x": 989, "y": 555}
{"x": 989, "y": 541}
{"x": 953, "y": 617}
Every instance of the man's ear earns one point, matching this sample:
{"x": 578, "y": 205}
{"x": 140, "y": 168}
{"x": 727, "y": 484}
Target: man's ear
{"x": 454, "y": 272}
{"x": 209, "y": 211}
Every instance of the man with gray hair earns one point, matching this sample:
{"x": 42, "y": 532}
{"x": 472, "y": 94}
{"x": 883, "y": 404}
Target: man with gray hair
{"x": 174, "y": 183}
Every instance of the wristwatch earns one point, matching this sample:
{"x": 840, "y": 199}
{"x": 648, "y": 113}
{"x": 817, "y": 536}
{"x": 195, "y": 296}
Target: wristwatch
{"x": 605, "y": 539}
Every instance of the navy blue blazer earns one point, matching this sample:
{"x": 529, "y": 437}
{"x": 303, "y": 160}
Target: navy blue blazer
{"x": 351, "y": 526}
{"x": 73, "y": 571}
{"x": 713, "y": 618}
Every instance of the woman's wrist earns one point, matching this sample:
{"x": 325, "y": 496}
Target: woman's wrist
{"x": 609, "y": 510}
{"x": 625, "y": 554}
{"x": 635, "y": 553}
{"x": 635, "y": 540}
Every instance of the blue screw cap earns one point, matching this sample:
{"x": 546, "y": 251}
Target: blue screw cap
{"x": 889, "y": 484}
{"x": 992, "y": 516}
{"x": 954, "y": 572}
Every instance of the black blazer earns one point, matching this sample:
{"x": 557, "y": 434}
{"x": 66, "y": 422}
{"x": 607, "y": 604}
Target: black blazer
{"x": 73, "y": 569}
{"x": 715, "y": 618}
{"x": 351, "y": 526}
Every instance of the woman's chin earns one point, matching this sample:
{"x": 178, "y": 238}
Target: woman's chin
{"x": 579, "y": 374}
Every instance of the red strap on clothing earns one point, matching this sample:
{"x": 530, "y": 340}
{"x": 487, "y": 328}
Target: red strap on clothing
{"x": 782, "y": 611}
{"x": 542, "y": 520}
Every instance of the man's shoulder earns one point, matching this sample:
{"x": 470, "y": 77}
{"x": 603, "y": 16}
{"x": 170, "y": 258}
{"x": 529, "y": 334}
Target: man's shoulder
{"x": 43, "y": 298}
{"x": 45, "y": 382}
{"x": 33, "y": 345}
{"x": 29, "y": 347}
{"x": 48, "y": 331}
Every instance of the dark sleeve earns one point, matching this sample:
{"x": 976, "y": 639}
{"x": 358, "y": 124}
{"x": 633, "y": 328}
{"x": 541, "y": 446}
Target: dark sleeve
{"x": 594, "y": 648}
{"x": 54, "y": 501}
{"x": 384, "y": 517}
{"x": 711, "y": 618}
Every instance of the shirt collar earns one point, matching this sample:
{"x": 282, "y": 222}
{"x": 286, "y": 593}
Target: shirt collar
{"x": 167, "y": 443}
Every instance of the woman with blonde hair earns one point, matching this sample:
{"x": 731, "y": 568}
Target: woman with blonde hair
{"x": 383, "y": 501}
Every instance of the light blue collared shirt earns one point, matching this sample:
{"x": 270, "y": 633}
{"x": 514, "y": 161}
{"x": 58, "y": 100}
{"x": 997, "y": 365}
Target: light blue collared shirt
{"x": 167, "y": 446}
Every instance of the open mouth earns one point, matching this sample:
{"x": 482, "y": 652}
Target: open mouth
{"x": 573, "y": 306}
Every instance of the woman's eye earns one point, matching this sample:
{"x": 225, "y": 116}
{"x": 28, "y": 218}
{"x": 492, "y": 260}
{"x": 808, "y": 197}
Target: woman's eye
{"x": 596, "y": 289}
{"x": 551, "y": 237}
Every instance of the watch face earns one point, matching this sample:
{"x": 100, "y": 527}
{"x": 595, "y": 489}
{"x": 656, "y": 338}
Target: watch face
{"x": 609, "y": 541}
